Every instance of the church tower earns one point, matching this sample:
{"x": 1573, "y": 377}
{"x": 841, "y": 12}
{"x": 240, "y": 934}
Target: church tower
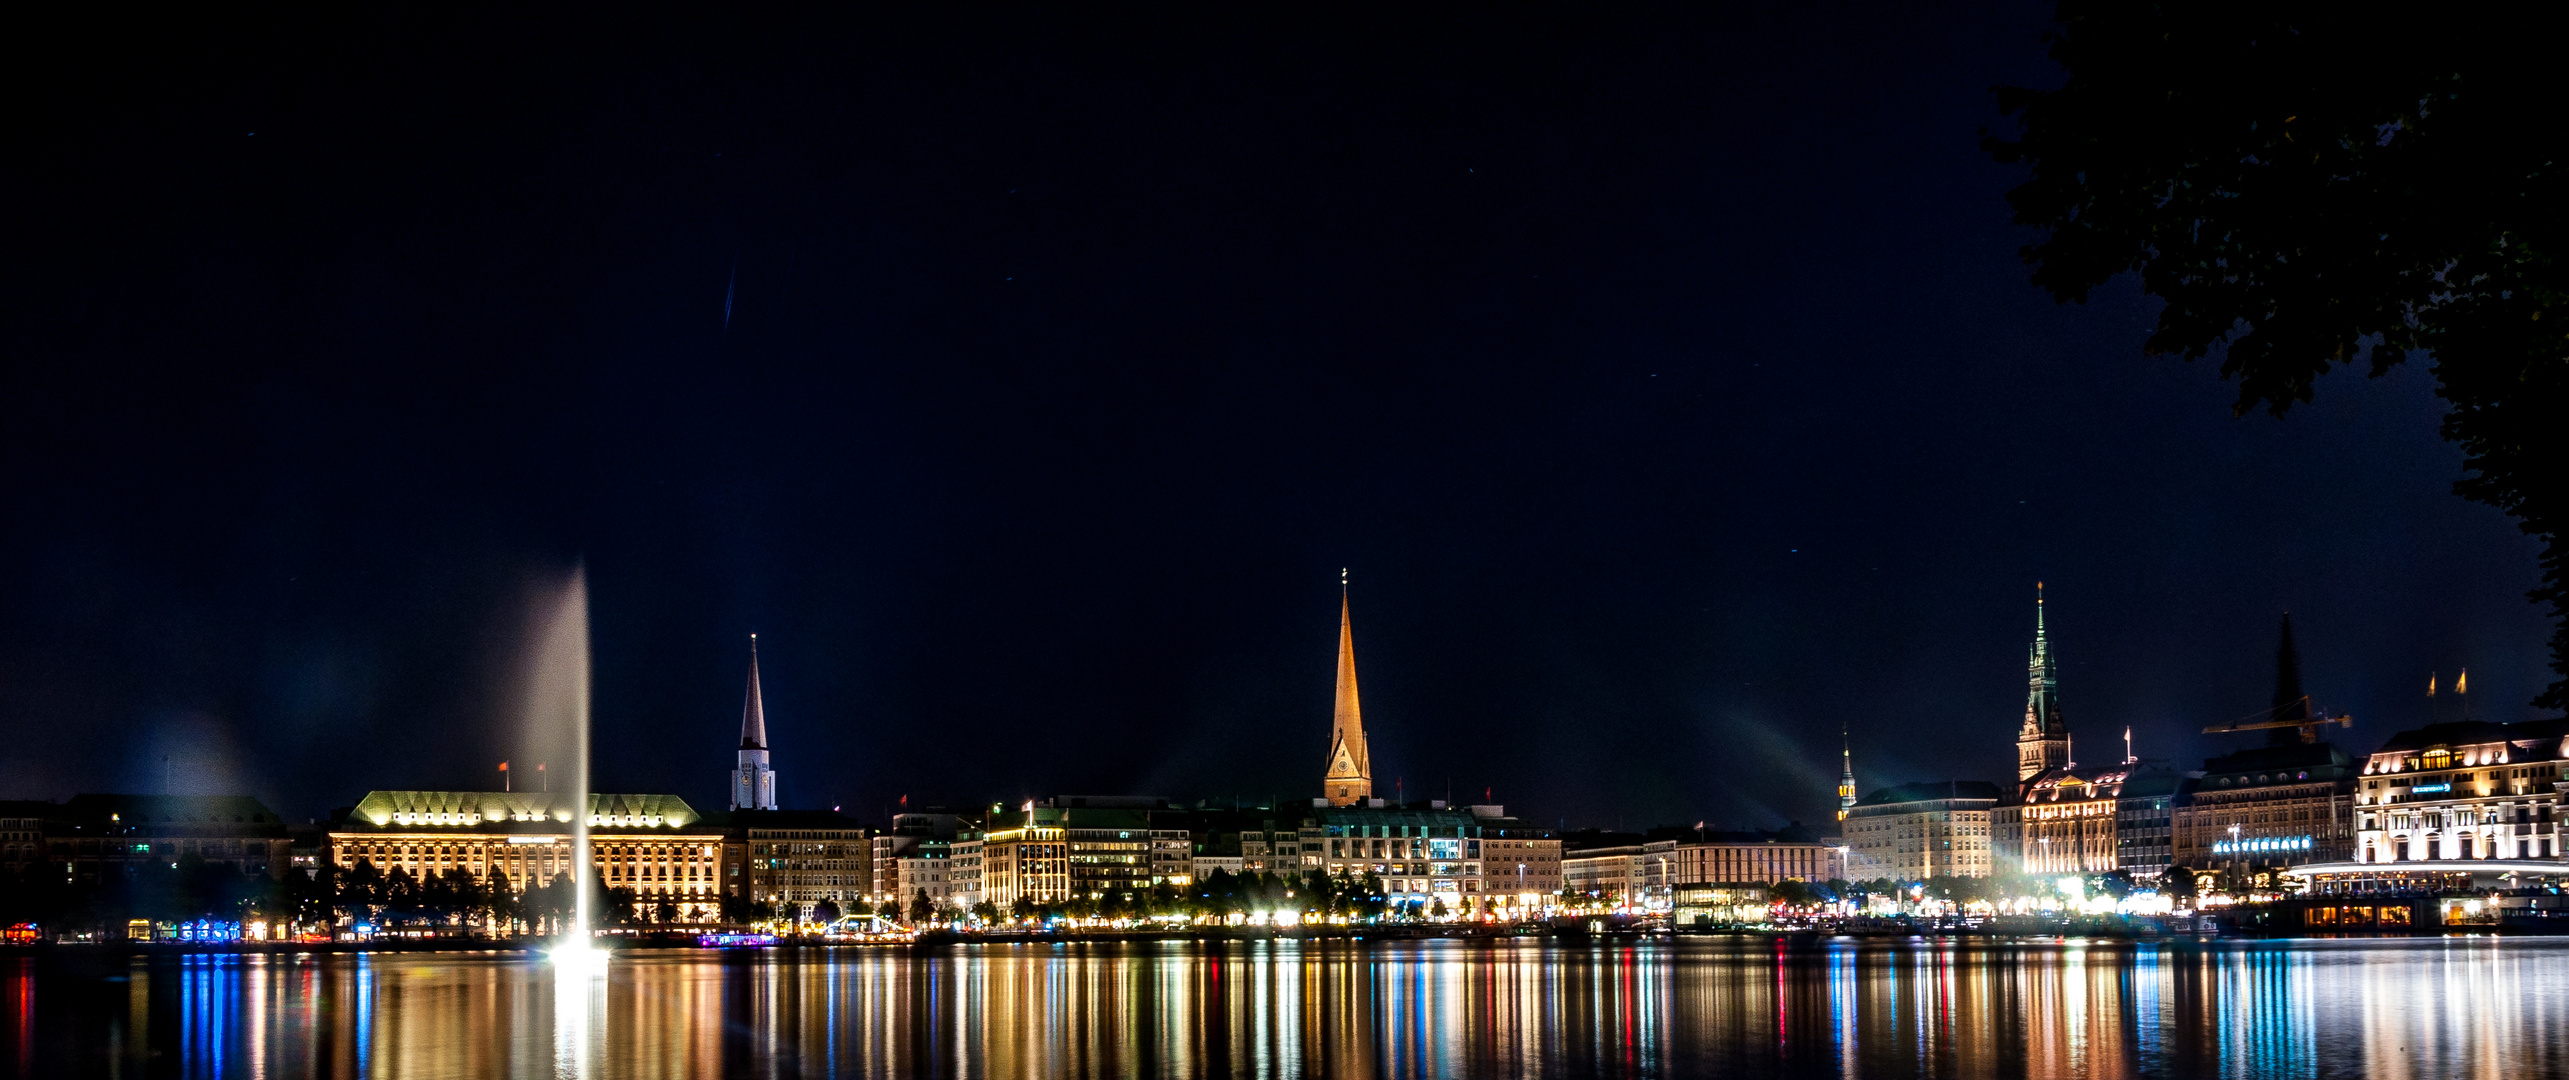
{"x": 1351, "y": 772}
{"x": 1846, "y": 774}
{"x": 753, "y": 784}
{"x": 2043, "y": 742}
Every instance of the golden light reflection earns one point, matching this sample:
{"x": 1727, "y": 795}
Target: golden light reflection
{"x": 2470, "y": 1008}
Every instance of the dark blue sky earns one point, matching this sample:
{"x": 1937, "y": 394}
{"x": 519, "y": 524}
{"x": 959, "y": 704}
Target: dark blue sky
{"x": 1667, "y": 378}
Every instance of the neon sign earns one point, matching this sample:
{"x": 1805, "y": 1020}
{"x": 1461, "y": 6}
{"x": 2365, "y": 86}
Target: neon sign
{"x": 2262, "y": 844}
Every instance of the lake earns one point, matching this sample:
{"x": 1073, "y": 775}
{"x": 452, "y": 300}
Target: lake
{"x": 2427, "y": 1008}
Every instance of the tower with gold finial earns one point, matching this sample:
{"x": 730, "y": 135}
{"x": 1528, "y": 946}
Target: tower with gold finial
{"x": 2042, "y": 743}
{"x": 1846, "y": 774}
{"x": 753, "y": 784}
{"x": 1350, "y": 778}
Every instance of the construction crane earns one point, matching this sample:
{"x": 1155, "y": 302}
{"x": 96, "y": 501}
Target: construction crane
{"x": 2308, "y": 724}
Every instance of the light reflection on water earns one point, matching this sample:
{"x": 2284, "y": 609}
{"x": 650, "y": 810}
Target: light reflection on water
{"x": 2393, "y": 1009}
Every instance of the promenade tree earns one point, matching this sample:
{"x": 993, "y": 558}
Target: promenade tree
{"x": 2309, "y": 186}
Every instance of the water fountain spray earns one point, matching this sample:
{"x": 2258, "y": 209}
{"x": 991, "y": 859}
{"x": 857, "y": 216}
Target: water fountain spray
{"x": 562, "y": 702}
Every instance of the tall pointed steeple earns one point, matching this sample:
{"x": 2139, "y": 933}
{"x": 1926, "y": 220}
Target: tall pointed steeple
{"x": 753, "y": 783}
{"x": 1350, "y": 779}
{"x": 753, "y": 715}
{"x": 2043, "y": 741}
{"x": 2290, "y": 704}
{"x": 1846, "y": 774}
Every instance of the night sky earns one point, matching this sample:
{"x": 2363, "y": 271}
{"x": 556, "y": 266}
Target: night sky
{"x": 1666, "y": 379}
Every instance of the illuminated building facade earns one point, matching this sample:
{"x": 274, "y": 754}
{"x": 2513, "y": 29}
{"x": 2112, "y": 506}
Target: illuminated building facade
{"x": 794, "y": 859}
{"x": 654, "y": 845}
{"x": 1642, "y": 875}
{"x": 2463, "y": 791}
{"x": 1027, "y": 861}
{"x": 913, "y": 836}
{"x": 1791, "y": 853}
{"x": 1349, "y": 780}
{"x": 1520, "y": 861}
{"x": 2270, "y": 807}
{"x": 1913, "y": 832}
{"x": 1419, "y": 854}
{"x": 2073, "y": 820}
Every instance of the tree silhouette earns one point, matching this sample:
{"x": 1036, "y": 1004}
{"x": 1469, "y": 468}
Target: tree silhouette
{"x": 2312, "y": 185}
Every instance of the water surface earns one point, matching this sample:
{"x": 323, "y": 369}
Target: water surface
{"x": 2462, "y": 1007}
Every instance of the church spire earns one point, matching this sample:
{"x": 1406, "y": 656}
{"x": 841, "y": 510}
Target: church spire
{"x": 753, "y": 783}
{"x": 1846, "y": 773}
{"x": 1351, "y": 773}
{"x": 2289, "y": 702}
{"x": 753, "y": 716}
{"x": 2042, "y": 743}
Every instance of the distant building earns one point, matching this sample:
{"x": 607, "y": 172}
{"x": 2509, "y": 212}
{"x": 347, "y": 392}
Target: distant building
{"x": 1918, "y": 831}
{"x": 1420, "y": 854}
{"x": 753, "y": 781}
{"x": 98, "y": 834}
{"x": 2075, "y": 820}
{"x": 1254, "y": 841}
{"x": 1642, "y": 874}
{"x": 1349, "y": 779}
{"x": 1520, "y": 861}
{"x": 963, "y": 872}
{"x": 1791, "y": 853}
{"x": 919, "y": 835}
{"x": 1024, "y": 860}
{"x": 2270, "y": 807}
{"x": 2145, "y": 815}
{"x": 655, "y": 845}
{"x": 1119, "y": 851}
{"x": 2464, "y": 791}
{"x": 795, "y": 859}
{"x": 22, "y": 833}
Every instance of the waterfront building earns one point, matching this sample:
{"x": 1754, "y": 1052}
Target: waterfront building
{"x": 963, "y": 872}
{"x": 795, "y": 859}
{"x": 1125, "y": 843}
{"x": 1621, "y": 869}
{"x": 1520, "y": 861}
{"x": 1767, "y": 857}
{"x": 2042, "y": 741}
{"x": 1252, "y": 841}
{"x": 2074, "y": 820}
{"x": 1434, "y": 853}
{"x": 914, "y": 835}
{"x": 1913, "y": 832}
{"x": 655, "y": 845}
{"x": 2270, "y": 807}
{"x": 2463, "y": 791}
{"x": 2146, "y": 805}
{"x": 98, "y": 835}
{"x": 1027, "y": 860}
{"x": 1349, "y": 779}
{"x": 753, "y": 781}
{"x": 927, "y": 875}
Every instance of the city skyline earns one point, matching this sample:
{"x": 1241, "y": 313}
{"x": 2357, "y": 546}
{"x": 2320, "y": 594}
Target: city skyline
{"x": 753, "y": 782}
{"x": 1656, "y": 443}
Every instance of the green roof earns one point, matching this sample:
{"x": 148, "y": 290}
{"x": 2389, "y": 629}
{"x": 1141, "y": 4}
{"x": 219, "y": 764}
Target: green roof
{"x": 381, "y": 808}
